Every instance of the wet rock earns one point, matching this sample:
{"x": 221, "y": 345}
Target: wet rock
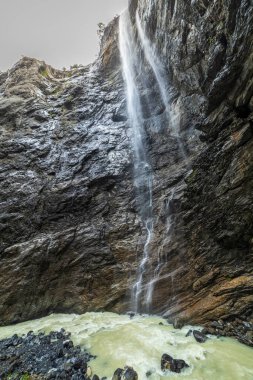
{"x": 36, "y": 355}
{"x": 77, "y": 159}
{"x": 79, "y": 363}
{"x": 217, "y": 325}
{"x": 173, "y": 365}
{"x": 199, "y": 336}
{"x": 209, "y": 330}
{"x": 129, "y": 374}
{"x": 189, "y": 333}
{"x": 68, "y": 344}
{"x": 117, "y": 374}
{"x": 178, "y": 323}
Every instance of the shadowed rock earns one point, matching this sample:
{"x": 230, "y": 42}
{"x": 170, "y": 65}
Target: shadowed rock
{"x": 173, "y": 365}
{"x": 199, "y": 336}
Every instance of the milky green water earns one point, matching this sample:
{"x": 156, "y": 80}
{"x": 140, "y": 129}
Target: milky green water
{"x": 140, "y": 342}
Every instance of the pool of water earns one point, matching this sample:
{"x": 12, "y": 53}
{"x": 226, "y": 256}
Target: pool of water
{"x": 140, "y": 342}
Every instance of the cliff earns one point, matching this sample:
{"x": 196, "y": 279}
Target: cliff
{"x": 71, "y": 237}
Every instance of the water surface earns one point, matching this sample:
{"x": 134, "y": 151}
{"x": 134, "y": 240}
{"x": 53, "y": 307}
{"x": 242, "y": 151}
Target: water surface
{"x": 140, "y": 342}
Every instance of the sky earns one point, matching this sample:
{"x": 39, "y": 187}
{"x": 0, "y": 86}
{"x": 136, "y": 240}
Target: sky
{"x": 60, "y": 32}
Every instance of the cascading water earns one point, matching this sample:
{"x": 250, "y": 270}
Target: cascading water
{"x": 160, "y": 260}
{"x": 142, "y": 170}
{"x": 161, "y": 78}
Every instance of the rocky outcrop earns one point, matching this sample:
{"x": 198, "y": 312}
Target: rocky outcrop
{"x": 67, "y": 219}
{"x": 208, "y": 52}
{"x": 71, "y": 238}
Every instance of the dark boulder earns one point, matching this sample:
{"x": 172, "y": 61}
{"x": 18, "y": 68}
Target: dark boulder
{"x": 129, "y": 374}
{"x": 199, "y": 336}
{"x": 117, "y": 374}
{"x": 173, "y": 365}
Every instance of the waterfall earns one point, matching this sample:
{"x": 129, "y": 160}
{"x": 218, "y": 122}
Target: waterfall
{"x": 153, "y": 62}
{"x": 161, "y": 79}
{"x": 160, "y": 261}
{"x": 143, "y": 177}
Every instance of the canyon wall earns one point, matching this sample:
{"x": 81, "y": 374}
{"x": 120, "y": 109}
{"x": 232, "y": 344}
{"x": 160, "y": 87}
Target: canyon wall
{"x": 71, "y": 237}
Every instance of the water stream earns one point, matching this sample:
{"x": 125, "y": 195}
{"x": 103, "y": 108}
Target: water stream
{"x": 142, "y": 291}
{"x": 140, "y": 342}
{"x": 151, "y": 56}
{"x": 143, "y": 176}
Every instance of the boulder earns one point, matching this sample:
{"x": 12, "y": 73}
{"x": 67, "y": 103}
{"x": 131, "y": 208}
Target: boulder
{"x": 199, "y": 336}
{"x": 173, "y": 365}
{"x": 129, "y": 374}
{"x": 117, "y": 374}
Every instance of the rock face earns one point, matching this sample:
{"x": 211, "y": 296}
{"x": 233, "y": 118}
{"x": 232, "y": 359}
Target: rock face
{"x": 71, "y": 238}
{"x": 208, "y": 52}
{"x": 67, "y": 216}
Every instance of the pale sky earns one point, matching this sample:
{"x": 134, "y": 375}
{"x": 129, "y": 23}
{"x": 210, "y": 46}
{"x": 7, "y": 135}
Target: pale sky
{"x": 60, "y": 32}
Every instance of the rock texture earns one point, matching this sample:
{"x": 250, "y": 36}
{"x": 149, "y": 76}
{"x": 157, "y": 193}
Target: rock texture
{"x": 43, "y": 356}
{"x": 67, "y": 219}
{"x": 71, "y": 238}
{"x": 208, "y": 51}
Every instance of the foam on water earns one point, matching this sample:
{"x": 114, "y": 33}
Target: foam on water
{"x": 140, "y": 342}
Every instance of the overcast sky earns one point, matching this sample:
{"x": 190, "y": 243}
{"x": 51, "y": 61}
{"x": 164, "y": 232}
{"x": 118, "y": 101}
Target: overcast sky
{"x": 60, "y": 32}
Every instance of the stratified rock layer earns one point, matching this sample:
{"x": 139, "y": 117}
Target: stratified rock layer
{"x": 71, "y": 238}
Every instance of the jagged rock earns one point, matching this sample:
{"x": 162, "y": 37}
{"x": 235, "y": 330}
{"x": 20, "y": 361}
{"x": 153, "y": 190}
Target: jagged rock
{"x": 217, "y": 325}
{"x": 178, "y": 323}
{"x": 43, "y": 355}
{"x": 129, "y": 374}
{"x": 117, "y": 374}
{"x": 199, "y": 336}
{"x": 173, "y": 365}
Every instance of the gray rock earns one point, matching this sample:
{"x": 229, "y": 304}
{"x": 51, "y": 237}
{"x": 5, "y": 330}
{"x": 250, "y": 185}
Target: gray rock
{"x": 199, "y": 336}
